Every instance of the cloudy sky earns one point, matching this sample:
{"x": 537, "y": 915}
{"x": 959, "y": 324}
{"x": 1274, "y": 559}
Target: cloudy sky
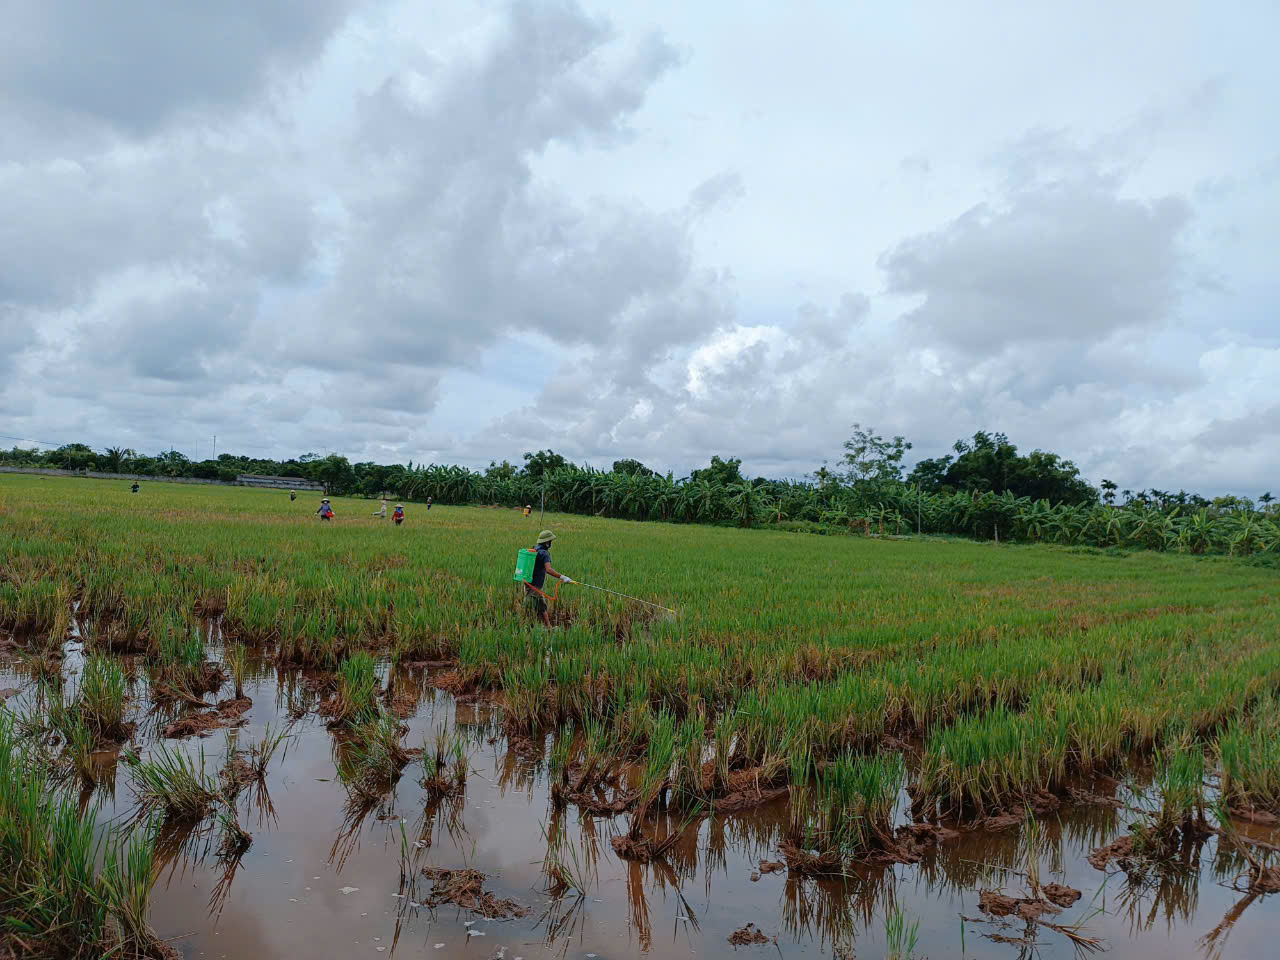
{"x": 660, "y": 229}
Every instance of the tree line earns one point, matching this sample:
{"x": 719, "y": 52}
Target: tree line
{"x": 983, "y": 489}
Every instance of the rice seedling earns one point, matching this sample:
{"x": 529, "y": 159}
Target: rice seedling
{"x": 101, "y": 698}
{"x": 54, "y": 896}
{"x": 170, "y": 781}
{"x": 900, "y": 936}
{"x": 374, "y": 755}
{"x": 356, "y": 698}
{"x": 1249, "y": 758}
{"x": 237, "y": 661}
{"x": 445, "y": 765}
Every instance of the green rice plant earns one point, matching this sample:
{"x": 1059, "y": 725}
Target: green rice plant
{"x": 55, "y": 899}
{"x": 356, "y": 699}
{"x": 170, "y": 781}
{"x": 374, "y": 757}
{"x": 101, "y": 698}
{"x": 847, "y": 809}
{"x": 726, "y": 727}
{"x": 527, "y": 689}
{"x": 237, "y": 657}
{"x": 690, "y": 786}
{"x": 655, "y": 772}
{"x": 900, "y": 936}
{"x": 1249, "y": 758}
{"x": 445, "y": 764}
{"x": 1179, "y": 779}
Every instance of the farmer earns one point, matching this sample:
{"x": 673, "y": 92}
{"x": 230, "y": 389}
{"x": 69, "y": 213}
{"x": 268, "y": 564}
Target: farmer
{"x": 528, "y": 509}
{"x": 398, "y": 516}
{"x": 325, "y": 511}
{"x": 428, "y": 504}
{"x": 382, "y": 514}
{"x": 541, "y": 567}
{"x": 292, "y": 496}
{"x": 134, "y": 488}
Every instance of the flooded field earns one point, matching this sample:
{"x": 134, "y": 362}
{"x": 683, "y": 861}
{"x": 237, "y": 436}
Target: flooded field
{"x": 329, "y": 872}
{"x": 345, "y": 741}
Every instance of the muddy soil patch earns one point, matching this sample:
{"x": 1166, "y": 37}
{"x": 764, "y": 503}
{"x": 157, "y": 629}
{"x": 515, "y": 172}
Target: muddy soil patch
{"x": 465, "y": 888}
{"x": 228, "y": 713}
{"x": 749, "y": 935}
{"x": 1025, "y": 908}
{"x": 1119, "y": 849}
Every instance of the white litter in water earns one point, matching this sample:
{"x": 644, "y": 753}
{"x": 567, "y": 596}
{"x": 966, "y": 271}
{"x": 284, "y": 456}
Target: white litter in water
{"x": 346, "y": 890}
{"x": 678, "y": 917}
{"x": 379, "y": 949}
{"x": 439, "y": 945}
{"x": 293, "y": 899}
{"x": 475, "y": 933}
{"x": 468, "y": 923}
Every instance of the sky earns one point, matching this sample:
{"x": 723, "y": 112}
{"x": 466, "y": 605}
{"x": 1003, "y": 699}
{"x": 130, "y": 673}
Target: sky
{"x": 456, "y": 232}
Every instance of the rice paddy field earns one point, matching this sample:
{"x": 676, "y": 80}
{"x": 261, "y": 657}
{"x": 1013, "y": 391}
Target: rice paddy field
{"x": 234, "y": 730}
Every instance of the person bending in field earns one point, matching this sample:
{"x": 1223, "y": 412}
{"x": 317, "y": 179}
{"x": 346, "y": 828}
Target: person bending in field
{"x": 325, "y": 511}
{"x": 292, "y": 496}
{"x": 541, "y": 567}
{"x": 398, "y": 516}
{"x": 382, "y": 514}
{"x": 528, "y": 509}
{"x": 134, "y": 488}
{"x": 428, "y": 504}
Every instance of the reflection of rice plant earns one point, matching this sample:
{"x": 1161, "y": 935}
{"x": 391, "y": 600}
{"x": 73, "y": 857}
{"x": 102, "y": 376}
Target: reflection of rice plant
{"x": 1030, "y": 850}
{"x": 558, "y": 764}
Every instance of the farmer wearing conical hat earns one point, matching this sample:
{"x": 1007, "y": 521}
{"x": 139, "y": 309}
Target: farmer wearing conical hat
{"x": 398, "y": 516}
{"x": 541, "y": 567}
{"x": 325, "y": 511}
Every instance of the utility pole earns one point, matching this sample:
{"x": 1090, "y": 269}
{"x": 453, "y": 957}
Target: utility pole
{"x": 215, "y": 447}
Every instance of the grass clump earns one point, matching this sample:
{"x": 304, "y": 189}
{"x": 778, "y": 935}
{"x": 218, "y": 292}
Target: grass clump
{"x": 1249, "y": 758}
{"x": 356, "y": 698}
{"x": 70, "y": 887}
{"x": 101, "y": 699}
{"x": 170, "y": 781}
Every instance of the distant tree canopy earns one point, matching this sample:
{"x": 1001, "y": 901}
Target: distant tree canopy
{"x": 632, "y": 468}
{"x": 723, "y": 472}
{"x": 990, "y": 463}
{"x": 870, "y": 458}
{"x": 982, "y": 487}
{"x": 542, "y": 462}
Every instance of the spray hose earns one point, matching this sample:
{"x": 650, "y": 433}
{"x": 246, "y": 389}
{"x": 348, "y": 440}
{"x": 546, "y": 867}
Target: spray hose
{"x": 625, "y": 596}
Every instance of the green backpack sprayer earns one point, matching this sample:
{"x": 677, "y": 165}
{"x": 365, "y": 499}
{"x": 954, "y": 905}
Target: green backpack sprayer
{"x": 524, "y": 574}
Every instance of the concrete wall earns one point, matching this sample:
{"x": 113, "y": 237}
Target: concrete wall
{"x": 96, "y": 475}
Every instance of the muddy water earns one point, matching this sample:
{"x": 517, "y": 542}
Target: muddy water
{"x": 325, "y": 880}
